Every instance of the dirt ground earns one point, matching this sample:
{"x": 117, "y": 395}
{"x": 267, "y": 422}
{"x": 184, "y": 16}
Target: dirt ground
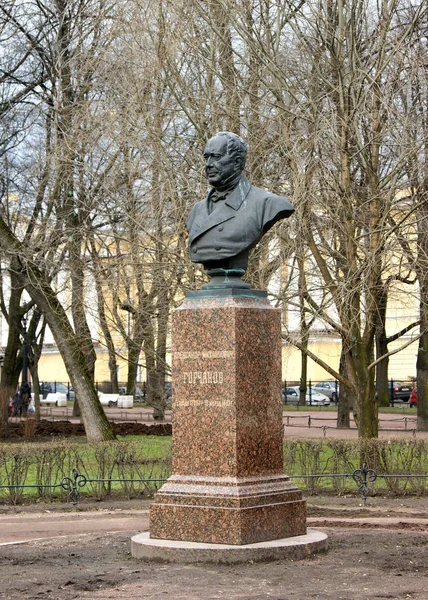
{"x": 55, "y": 552}
{"x": 380, "y": 551}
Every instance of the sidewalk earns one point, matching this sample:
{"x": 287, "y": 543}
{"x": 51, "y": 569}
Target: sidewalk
{"x": 55, "y": 552}
{"x": 27, "y": 527}
{"x": 29, "y": 523}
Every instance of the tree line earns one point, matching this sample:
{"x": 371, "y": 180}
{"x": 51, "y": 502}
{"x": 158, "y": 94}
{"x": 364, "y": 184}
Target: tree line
{"x": 106, "y": 108}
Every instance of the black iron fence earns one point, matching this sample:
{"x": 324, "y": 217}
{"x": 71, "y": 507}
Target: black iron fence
{"x": 363, "y": 478}
{"x": 399, "y": 392}
{"x": 324, "y": 421}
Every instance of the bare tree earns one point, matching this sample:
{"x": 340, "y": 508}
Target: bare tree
{"x": 48, "y": 233}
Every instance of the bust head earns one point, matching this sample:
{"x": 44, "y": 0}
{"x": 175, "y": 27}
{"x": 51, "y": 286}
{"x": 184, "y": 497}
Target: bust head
{"x": 224, "y": 155}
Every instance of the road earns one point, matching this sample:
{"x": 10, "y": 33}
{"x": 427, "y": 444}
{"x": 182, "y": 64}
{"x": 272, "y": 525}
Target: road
{"x": 304, "y": 422}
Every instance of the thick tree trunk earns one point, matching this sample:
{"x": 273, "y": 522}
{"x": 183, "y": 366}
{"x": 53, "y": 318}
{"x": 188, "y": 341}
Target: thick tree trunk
{"x": 422, "y": 379}
{"x": 365, "y": 408}
{"x": 227, "y": 72}
{"x": 134, "y": 350}
{"x": 12, "y": 363}
{"x": 346, "y": 399}
{"x": 422, "y": 360}
{"x": 96, "y": 424}
{"x": 112, "y": 362}
{"x": 381, "y": 348}
{"x": 382, "y": 391}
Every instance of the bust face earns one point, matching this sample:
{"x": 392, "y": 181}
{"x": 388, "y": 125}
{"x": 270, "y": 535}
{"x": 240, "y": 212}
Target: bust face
{"x": 220, "y": 167}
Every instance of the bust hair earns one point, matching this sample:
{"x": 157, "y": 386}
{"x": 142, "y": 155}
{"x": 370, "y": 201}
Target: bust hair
{"x": 235, "y": 145}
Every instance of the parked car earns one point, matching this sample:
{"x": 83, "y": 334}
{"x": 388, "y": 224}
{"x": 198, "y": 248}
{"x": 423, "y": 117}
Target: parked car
{"x": 313, "y": 399}
{"x": 328, "y": 388}
{"x": 108, "y": 399}
{"x": 399, "y": 391}
{"x": 139, "y": 395}
{"x": 290, "y": 395}
{"x": 47, "y": 387}
{"x": 168, "y": 391}
{"x": 413, "y": 401}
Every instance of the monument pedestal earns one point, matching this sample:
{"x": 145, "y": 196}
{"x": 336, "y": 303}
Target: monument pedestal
{"x": 227, "y": 485}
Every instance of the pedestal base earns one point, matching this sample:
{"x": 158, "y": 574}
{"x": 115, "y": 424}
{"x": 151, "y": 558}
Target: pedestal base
{"x": 227, "y": 510}
{"x": 292, "y": 548}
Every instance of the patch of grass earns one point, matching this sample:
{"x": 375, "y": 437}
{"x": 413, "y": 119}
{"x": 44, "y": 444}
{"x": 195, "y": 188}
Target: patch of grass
{"x": 137, "y": 458}
{"x": 120, "y": 467}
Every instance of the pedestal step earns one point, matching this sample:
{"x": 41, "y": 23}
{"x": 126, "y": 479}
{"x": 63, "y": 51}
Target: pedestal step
{"x": 228, "y": 510}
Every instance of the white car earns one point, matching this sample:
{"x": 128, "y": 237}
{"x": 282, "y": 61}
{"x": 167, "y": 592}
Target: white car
{"x": 53, "y": 399}
{"x": 116, "y": 400}
{"x": 312, "y": 398}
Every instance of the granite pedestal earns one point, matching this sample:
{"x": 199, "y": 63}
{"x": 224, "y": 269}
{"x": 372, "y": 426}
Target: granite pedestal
{"x": 227, "y": 489}
{"x": 227, "y": 486}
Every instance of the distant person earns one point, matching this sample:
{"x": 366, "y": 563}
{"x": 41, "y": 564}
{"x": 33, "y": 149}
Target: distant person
{"x": 25, "y": 393}
{"x": 17, "y": 406}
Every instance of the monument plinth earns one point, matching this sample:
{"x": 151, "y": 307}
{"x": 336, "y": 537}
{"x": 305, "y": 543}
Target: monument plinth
{"x": 227, "y": 485}
{"x": 228, "y": 499}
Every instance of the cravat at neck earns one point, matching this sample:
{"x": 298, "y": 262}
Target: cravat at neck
{"x": 223, "y": 192}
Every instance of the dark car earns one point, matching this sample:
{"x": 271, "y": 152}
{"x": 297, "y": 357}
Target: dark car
{"x": 168, "y": 391}
{"x": 399, "y": 391}
{"x": 414, "y": 397}
{"x": 47, "y": 387}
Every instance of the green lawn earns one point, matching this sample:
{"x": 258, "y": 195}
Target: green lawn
{"x": 141, "y": 458}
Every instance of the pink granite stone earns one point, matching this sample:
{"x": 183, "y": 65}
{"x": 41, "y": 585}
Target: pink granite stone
{"x": 227, "y": 484}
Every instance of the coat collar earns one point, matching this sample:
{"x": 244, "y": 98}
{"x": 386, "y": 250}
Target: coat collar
{"x": 238, "y": 194}
{"x": 226, "y": 211}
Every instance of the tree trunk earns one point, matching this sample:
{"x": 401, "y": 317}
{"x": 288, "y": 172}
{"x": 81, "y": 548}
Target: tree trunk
{"x": 35, "y": 389}
{"x": 5, "y": 395}
{"x": 112, "y": 362}
{"x": 97, "y": 426}
{"x": 346, "y": 400}
{"x": 422, "y": 270}
{"x": 382, "y": 390}
{"x": 227, "y": 71}
{"x": 422, "y": 380}
{"x": 12, "y": 358}
{"x": 365, "y": 408}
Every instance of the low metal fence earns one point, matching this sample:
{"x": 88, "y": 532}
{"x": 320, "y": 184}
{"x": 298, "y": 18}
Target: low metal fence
{"x": 402, "y": 424}
{"x": 363, "y": 478}
{"x": 134, "y": 415}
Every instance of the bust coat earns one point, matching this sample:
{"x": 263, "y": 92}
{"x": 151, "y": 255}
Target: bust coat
{"x": 236, "y": 225}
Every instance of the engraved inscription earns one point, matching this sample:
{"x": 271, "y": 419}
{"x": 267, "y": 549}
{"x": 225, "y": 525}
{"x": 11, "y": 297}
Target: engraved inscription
{"x": 204, "y": 354}
{"x": 218, "y": 403}
{"x": 203, "y": 377}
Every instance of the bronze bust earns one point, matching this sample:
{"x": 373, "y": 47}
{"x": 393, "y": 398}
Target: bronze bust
{"x": 234, "y": 216}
